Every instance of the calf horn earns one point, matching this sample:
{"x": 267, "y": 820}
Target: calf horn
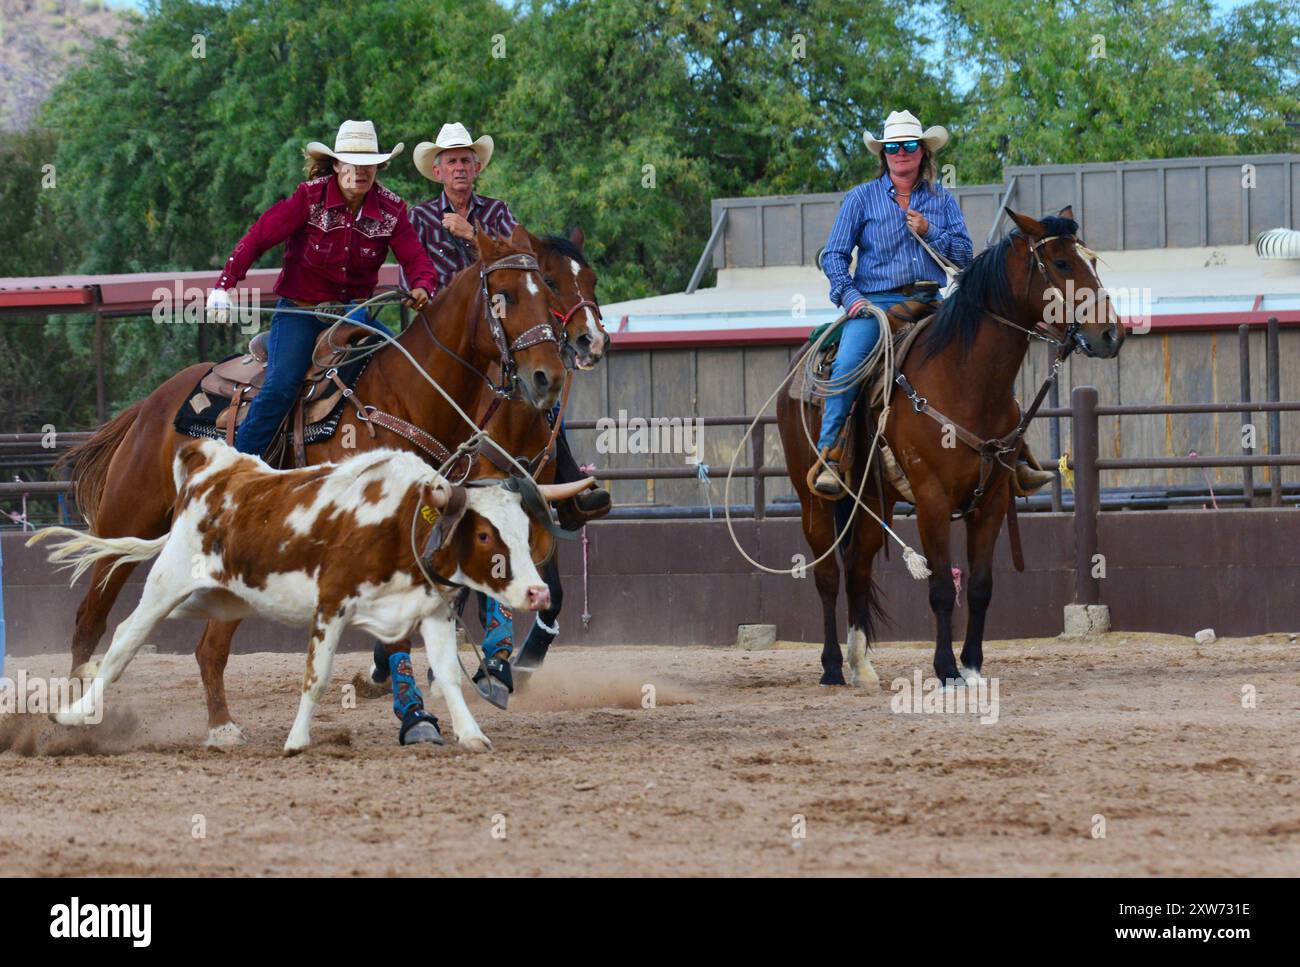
{"x": 566, "y": 490}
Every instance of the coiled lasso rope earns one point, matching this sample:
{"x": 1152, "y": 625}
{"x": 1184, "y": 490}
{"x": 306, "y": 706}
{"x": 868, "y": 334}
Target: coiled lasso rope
{"x": 916, "y": 565}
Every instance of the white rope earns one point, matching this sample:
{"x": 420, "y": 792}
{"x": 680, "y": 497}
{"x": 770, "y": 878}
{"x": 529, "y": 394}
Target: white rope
{"x": 916, "y": 565}
{"x": 392, "y": 341}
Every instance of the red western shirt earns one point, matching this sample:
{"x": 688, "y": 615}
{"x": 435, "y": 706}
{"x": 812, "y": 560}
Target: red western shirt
{"x": 329, "y": 256}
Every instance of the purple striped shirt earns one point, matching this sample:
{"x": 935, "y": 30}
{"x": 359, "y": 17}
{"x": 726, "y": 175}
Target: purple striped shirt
{"x": 449, "y": 253}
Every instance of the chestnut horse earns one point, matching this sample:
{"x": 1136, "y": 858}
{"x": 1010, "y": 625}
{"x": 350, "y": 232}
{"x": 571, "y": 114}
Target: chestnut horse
{"x": 123, "y": 474}
{"x": 961, "y": 373}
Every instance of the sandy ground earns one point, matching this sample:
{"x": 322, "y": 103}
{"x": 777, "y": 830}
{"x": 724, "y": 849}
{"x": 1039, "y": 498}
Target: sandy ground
{"x": 1149, "y": 732}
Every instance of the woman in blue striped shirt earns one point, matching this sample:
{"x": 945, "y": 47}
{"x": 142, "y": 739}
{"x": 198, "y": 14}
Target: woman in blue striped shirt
{"x": 892, "y": 266}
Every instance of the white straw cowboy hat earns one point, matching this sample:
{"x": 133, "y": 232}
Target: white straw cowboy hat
{"x": 903, "y": 126}
{"x": 355, "y": 144}
{"x": 452, "y": 135}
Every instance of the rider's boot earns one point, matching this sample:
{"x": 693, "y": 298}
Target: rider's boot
{"x": 1030, "y": 475}
{"x": 824, "y": 476}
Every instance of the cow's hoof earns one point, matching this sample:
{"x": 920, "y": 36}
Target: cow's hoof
{"x": 226, "y": 736}
{"x": 88, "y": 670}
{"x": 477, "y": 742}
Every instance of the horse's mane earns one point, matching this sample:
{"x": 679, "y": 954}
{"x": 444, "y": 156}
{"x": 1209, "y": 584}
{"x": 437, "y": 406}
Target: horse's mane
{"x": 565, "y": 247}
{"x": 982, "y": 285}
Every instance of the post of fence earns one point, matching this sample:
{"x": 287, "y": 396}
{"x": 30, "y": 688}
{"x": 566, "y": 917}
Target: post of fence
{"x": 2, "y": 608}
{"x": 1274, "y": 418}
{"x": 1247, "y": 416}
{"x": 1087, "y": 493}
{"x": 760, "y": 487}
{"x": 1054, "y": 401}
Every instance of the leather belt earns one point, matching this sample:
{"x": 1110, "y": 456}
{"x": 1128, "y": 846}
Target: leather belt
{"x": 913, "y": 288}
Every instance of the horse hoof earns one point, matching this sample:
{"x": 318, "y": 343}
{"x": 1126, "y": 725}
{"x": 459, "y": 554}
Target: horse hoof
{"x": 379, "y": 664}
{"x": 971, "y": 676}
{"x": 419, "y": 726}
{"x": 835, "y": 677}
{"x": 225, "y": 736}
{"x": 422, "y": 733}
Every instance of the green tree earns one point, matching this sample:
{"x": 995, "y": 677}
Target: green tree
{"x": 1109, "y": 80}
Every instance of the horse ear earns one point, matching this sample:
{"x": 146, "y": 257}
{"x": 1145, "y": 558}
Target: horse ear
{"x": 521, "y": 238}
{"x": 1031, "y": 227}
{"x": 578, "y": 237}
{"x": 484, "y": 244}
{"x": 1067, "y": 212}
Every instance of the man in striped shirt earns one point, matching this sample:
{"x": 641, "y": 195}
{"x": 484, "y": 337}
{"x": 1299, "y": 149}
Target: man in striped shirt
{"x": 878, "y": 218}
{"x": 447, "y": 223}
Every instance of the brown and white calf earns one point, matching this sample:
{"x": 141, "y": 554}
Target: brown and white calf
{"x": 330, "y": 547}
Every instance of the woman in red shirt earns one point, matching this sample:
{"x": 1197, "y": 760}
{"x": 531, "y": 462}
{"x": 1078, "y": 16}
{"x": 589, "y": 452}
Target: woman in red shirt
{"x": 337, "y": 228}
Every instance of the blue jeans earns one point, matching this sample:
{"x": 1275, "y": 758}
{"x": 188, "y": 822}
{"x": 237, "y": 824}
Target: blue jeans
{"x": 288, "y": 357}
{"x": 858, "y": 339}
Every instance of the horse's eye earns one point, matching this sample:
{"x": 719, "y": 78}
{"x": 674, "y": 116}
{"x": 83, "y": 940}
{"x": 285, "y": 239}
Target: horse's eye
{"x": 550, "y": 283}
{"x": 505, "y": 297}
{"x": 1061, "y": 264}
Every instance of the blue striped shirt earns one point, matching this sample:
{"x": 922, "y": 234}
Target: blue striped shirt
{"x": 888, "y": 255}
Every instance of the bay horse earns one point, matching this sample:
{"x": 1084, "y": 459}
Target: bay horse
{"x": 123, "y": 476}
{"x": 1036, "y": 282}
{"x": 566, "y": 270}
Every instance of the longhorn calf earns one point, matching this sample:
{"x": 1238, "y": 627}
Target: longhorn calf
{"x": 330, "y": 547}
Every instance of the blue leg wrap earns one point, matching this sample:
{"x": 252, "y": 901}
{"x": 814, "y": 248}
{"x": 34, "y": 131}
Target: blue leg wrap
{"x": 406, "y": 694}
{"x": 498, "y": 629}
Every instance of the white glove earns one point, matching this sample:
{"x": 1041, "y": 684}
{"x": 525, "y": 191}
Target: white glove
{"x": 219, "y": 306}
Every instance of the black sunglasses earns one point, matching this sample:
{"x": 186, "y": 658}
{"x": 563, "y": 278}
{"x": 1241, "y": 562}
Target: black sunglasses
{"x": 911, "y": 147}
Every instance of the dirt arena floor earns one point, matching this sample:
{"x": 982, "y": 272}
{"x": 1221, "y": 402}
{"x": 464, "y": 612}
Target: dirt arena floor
{"x": 1149, "y": 732}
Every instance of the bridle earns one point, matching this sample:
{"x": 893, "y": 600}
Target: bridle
{"x": 566, "y": 317}
{"x": 543, "y": 332}
{"x": 1042, "y": 329}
